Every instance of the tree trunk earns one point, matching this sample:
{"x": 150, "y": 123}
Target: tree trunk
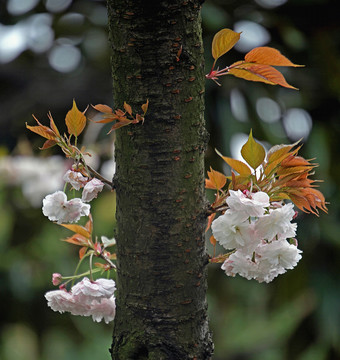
{"x": 161, "y": 258}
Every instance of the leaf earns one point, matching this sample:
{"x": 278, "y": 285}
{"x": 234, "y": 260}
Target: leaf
{"x": 253, "y": 152}
{"x": 223, "y": 41}
{"x": 212, "y": 240}
{"x": 268, "y": 56}
{"x": 261, "y": 73}
{"x": 210, "y": 220}
{"x": 216, "y": 180}
{"x": 53, "y": 125}
{"x": 82, "y": 252}
{"x": 42, "y": 130}
{"x": 277, "y": 154}
{"x": 76, "y": 239}
{"x": 103, "y": 108}
{"x": 145, "y": 106}
{"x": 75, "y": 121}
{"x": 77, "y": 229}
{"x": 277, "y": 151}
{"x": 47, "y": 144}
{"x": 128, "y": 108}
{"x": 236, "y": 165}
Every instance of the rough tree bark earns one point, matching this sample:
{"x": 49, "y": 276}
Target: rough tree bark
{"x": 161, "y": 297}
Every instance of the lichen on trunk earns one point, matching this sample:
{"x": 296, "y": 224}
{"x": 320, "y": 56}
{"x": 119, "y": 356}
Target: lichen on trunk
{"x": 161, "y": 258}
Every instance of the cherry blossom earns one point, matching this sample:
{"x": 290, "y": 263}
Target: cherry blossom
{"x": 93, "y": 290}
{"x": 91, "y": 189}
{"x": 277, "y": 222}
{"x": 105, "y": 309}
{"x": 57, "y": 208}
{"x": 264, "y": 264}
{"x": 232, "y": 231}
{"x": 86, "y": 298}
{"x": 75, "y": 178}
{"x": 248, "y": 204}
{"x": 108, "y": 242}
{"x": 279, "y": 253}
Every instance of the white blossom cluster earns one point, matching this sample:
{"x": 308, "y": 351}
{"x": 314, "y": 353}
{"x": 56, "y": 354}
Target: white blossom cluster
{"x": 36, "y": 176}
{"x": 86, "y": 298}
{"x": 261, "y": 235}
{"x": 56, "y": 206}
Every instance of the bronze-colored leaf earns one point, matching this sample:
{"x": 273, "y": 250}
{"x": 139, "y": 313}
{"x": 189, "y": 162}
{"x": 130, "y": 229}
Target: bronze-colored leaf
{"x": 75, "y": 121}
{"x": 223, "y": 41}
{"x": 268, "y": 56}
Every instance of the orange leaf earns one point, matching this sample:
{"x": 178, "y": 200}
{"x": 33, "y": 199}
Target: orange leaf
{"x": 268, "y": 56}
{"x": 75, "y": 121}
{"x": 237, "y": 165}
{"x": 89, "y": 224}
{"x": 295, "y": 161}
{"x": 47, "y": 144}
{"x": 277, "y": 151}
{"x": 120, "y": 124}
{"x": 210, "y": 220}
{"x": 76, "y": 240}
{"x": 100, "y": 265}
{"x": 216, "y": 180}
{"x": 77, "y": 229}
{"x": 145, "y": 106}
{"x": 212, "y": 240}
{"x": 261, "y": 73}
{"x": 42, "y": 130}
{"x": 127, "y": 108}
{"x": 223, "y": 41}
{"x": 103, "y": 108}
{"x": 82, "y": 252}
{"x": 53, "y": 125}
{"x": 293, "y": 170}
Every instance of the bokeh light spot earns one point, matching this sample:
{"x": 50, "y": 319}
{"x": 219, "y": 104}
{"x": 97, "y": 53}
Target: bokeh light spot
{"x": 253, "y": 35}
{"x": 238, "y": 105}
{"x": 64, "y": 58}
{"x": 268, "y": 110}
{"x": 57, "y": 5}
{"x": 297, "y": 123}
{"x": 20, "y": 7}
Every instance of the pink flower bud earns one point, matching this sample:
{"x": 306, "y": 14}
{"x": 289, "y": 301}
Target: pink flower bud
{"x": 56, "y": 279}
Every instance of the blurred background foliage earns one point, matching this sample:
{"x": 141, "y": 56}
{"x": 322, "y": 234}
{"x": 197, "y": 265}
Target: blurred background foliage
{"x": 52, "y": 51}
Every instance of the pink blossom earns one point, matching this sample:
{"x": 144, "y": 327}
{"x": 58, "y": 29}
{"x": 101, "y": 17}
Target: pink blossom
{"x": 277, "y": 223}
{"x": 248, "y": 204}
{"x": 75, "y": 178}
{"x": 92, "y": 290}
{"x": 61, "y": 300}
{"x": 240, "y": 263}
{"x": 87, "y": 298}
{"x": 105, "y": 309}
{"x": 232, "y": 231}
{"x": 91, "y": 189}
{"x": 279, "y": 253}
{"x": 57, "y": 208}
{"x": 265, "y": 263}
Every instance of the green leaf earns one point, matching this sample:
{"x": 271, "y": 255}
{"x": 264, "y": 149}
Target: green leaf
{"x": 253, "y": 152}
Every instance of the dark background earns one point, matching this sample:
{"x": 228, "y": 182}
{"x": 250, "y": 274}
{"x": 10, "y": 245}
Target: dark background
{"x": 55, "y": 50}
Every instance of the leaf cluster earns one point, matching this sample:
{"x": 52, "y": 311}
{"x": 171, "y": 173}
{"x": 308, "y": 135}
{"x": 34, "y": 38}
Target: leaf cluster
{"x": 257, "y": 64}
{"x": 280, "y": 172}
